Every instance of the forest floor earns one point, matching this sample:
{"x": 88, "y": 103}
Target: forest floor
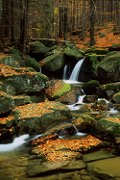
{"x": 104, "y": 37}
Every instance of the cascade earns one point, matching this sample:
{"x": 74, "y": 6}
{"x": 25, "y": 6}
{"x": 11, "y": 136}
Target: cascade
{"x": 65, "y": 72}
{"x": 15, "y": 144}
{"x": 77, "y": 133}
{"x": 75, "y": 73}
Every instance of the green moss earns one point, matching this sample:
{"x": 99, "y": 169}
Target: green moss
{"x": 64, "y": 89}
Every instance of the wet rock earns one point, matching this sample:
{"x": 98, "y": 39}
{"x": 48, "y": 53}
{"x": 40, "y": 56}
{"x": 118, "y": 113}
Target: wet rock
{"x": 105, "y": 169}
{"x": 38, "y": 117}
{"x": 6, "y": 102}
{"x": 108, "y": 69}
{"x": 91, "y": 87}
{"x": 83, "y": 121}
{"x": 70, "y": 97}
{"x": 23, "y": 79}
{"x": 90, "y": 99}
{"x": 56, "y": 89}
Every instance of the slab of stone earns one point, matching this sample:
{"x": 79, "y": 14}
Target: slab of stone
{"x": 105, "y": 169}
{"x": 98, "y": 155}
{"x": 37, "y": 169}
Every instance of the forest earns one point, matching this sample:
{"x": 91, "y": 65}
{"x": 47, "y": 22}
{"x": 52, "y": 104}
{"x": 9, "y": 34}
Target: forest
{"x": 23, "y": 20}
{"x": 60, "y": 89}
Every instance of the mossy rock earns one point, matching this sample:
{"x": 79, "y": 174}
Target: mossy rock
{"x": 21, "y": 100}
{"x": 108, "y": 69}
{"x": 38, "y": 117}
{"x": 31, "y": 62}
{"x": 110, "y": 125}
{"x": 97, "y": 51}
{"x": 13, "y": 60}
{"x": 7, "y": 88}
{"x": 109, "y": 89}
{"x": 23, "y": 79}
{"x": 37, "y": 47}
{"x": 53, "y": 62}
{"x": 73, "y": 53}
{"x": 6, "y": 102}
{"x": 116, "y": 97}
{"x": 83, "y": 121}
{"x": 56, "y": 89}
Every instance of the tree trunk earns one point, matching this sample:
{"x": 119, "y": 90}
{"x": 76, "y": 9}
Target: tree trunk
{"x": 92, "y": 21}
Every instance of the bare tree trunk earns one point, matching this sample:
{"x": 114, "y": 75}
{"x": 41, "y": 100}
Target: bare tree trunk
{"x": 92, "y": 21}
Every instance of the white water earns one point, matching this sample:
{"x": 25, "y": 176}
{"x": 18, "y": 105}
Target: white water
{"x": 76, "y": 71}
{"x": 15, "y": 144}
{"x": 76, "y": 106}
{"x": 77, "y": 133}
{"x": 65, "y": 72}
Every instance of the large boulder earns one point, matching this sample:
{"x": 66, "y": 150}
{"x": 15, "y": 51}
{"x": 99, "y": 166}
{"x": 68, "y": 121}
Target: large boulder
{"x": 13, "y": 60}
{"x": 108, "y": 70}
{"x": 73, "y": 53}
{"x": 24, "y": 80}
{"x": 38, "y": 50}
{"x": 38, "y": 117}
{"x": 56, "y": 89}
{"x": 53, "y": 62}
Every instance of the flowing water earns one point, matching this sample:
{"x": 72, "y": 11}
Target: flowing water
{"x": 65, "y": 72}
{"x": 75, "y": 73}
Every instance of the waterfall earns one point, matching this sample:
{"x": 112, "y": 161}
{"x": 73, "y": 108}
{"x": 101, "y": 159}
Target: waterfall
{"x": 76, "y": 70}
{"x": 65, "y": 72}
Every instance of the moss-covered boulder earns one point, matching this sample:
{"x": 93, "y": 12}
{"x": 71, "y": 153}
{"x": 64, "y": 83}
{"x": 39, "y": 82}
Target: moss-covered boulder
{"x": 116, "y": 97}
{"x": 109, "y": 125}
{"x": 83, "y": 121}
{"x": 108, "y": 70}
{"x": 73, "y": 53}
{"x": 6, "y": 102}
{"x": 31, "y": 62}
{"x": 38, "y": 117}
{"x": 38, "y": 47}
{"x": 53, "y": 62}
{"x": 23, "y": 79}
{"x": 13, "y": 60}
{"x": 109, "y": 89}
{"x": 38, "y": 50}
{"x": 56, "y": 89}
